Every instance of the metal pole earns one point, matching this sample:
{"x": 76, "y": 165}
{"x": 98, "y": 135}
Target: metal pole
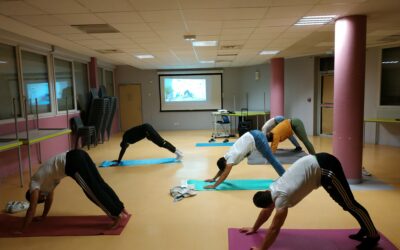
{"x": 37, "y": 126}
{"x": 27, "y": 136}
{"x": 21, "y": 178}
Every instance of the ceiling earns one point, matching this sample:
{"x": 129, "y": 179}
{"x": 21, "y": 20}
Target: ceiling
{"x": 242, "y": 28}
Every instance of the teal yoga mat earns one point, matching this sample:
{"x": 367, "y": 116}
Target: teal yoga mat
{"x": 132, "y": 163}
{"x": 254, "y": 184}
{"x": 214, "y": 144}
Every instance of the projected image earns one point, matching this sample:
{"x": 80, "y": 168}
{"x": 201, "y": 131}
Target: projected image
{"x": 39, "y": 91}
{"x": 185, "y": 90}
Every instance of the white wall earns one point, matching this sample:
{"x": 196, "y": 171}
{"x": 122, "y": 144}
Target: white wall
{"x": 299, "y": 87}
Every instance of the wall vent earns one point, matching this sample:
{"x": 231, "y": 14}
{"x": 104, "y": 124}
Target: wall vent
{"x": 230, "y": 47}
{"x": 109, "y": 51}
{"x": 95, "y": 28}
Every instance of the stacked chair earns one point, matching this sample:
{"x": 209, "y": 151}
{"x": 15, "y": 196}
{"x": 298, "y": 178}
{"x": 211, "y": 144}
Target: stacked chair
{"x": 99, "y": 119}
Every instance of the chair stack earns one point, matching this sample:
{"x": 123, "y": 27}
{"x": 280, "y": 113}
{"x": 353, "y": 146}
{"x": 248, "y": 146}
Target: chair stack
{"x": 87, "y": 134}
{"x": 96, "y": 114}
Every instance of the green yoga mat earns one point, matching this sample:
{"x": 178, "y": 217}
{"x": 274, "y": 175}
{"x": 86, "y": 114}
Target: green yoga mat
{"x": 254, "y": 184}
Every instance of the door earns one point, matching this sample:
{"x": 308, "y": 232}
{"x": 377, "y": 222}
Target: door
{"x": 130, "y": 105}
{"x": 326, "y": 105}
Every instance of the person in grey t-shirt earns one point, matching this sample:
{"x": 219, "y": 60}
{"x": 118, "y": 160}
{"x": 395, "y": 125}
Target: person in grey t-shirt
{"x": 305, "y": 175}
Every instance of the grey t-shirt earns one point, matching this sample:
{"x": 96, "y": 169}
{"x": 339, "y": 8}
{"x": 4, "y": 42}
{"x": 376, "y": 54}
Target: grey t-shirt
{"x": 297, "y": 182}
{"x": 49, "y": 175}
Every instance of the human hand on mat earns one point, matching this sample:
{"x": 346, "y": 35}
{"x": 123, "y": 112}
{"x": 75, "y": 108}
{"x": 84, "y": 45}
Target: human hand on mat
{"x": 209, "y": 187}
{"x": 247, "y": 230}
{"x": 115, "y": 163}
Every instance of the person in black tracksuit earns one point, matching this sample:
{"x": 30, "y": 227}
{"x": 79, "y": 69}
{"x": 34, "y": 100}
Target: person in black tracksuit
{"x": 140, "y": 132}
{"x": 305, "y": 175}
{"x": 78, "y": 165}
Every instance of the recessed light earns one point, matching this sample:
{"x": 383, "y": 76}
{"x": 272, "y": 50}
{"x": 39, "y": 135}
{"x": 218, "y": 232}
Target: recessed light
{"x": 189, "y": 37}
{"x": 144, "y": 56}
{"x": 204, "y": 43}
{"x": 269, "y": 52}
{"x": 315, "y": 20}
{"x": 211, "y": 61}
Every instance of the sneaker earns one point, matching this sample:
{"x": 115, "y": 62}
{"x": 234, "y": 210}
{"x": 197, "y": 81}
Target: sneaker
{"x": 179, "y": 155}
{"x": 16, "y": 206}
{"x": 297, "y": 149}
{"x": 368, "y": 243}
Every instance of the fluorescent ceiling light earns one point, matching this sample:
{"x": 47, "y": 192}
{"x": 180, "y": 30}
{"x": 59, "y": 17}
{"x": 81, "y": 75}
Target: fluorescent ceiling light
{"x": 204, "y": 43}
{"x": 315, "y": 20}
{"x": 269, "y": 52}
{"x": 211, "y": 61}
{"x": 3, "y": 62}
{"x": 144, "y": 56}
{"x": 390, "y": 62}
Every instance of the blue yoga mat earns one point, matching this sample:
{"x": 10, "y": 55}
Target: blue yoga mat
{"x": 131, "y": 163}
{"x": 255, "y": 184}
{"x": 214, "y": 144}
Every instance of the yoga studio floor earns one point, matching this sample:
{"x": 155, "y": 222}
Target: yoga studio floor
{"x": 201, "y": 222}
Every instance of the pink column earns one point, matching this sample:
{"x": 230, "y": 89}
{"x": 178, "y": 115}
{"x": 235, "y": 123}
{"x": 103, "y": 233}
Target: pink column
{"x": 277, "y": 86}
{"x": 93, "y": 73}
{"x": 350, "y": 39}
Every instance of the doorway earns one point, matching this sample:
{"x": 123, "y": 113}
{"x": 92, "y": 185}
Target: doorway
{"x": 130, "y": 105}
{"x": 326, "y": 104}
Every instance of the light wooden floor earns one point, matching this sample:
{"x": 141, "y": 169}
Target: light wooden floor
{"x": 201, "y": 222}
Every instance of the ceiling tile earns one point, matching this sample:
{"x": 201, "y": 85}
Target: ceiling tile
{"x": 224, "y": 14}
{"x": 292, "y": 2}
{"x": 39, "y": 20}
{"x": 160, "y": 26}
{"x": 65, "y": 29}
{"x": 240, "y": 24}
{"x": 288, "y": 11}
{"x": 105, "y": 36}
{"x": 204, "y": 4}
{"x": 330, "y": 9}
{"x": 131, "y": 27}
{"x": 161, "y": 16}
{"x": 58, "y": 7}
{"x": 14, "y": 8}
{"x": 270, "y": 22}
{"x": 120, "y": 17}
{"x": 148, "y": 5}
{"x": 204, "y": 25}
{"x": 77, "y": 37}
{"x": 106, "y": 5}
{"x": 75, "y": 19}
{"x": 142, "y": 34}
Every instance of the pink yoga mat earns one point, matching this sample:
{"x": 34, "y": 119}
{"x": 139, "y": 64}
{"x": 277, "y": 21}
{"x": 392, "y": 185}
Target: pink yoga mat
{"x": 309, "y": 239}
{"x": 60, "y": 226}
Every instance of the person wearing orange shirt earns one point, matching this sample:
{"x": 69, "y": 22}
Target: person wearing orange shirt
{"x": 285, "y": 129}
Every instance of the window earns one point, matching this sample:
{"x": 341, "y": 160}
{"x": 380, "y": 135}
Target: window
{"x": 64, "y": 84}
{"x": 100, "y": 79}
{"x": 81, "y": 85}
{"x": 36, "y": 82}
{"x": 109, "y": 82}
{"x": 390, "y": 77}
{"x": 8, "y": 82}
